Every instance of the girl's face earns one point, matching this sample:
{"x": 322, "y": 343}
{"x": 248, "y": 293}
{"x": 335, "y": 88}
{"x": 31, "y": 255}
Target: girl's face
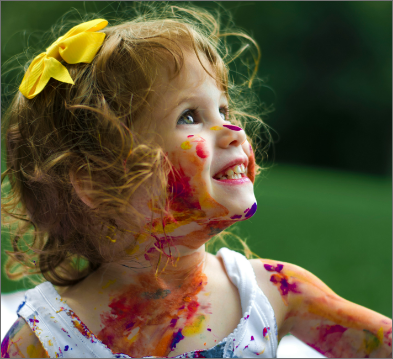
{"x": 189, "y": 113}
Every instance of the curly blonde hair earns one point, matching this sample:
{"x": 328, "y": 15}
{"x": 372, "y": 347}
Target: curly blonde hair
{"x": 89, "y": 128}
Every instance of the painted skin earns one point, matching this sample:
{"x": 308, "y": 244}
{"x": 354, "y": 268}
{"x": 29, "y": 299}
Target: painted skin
{"x": 144, "y": 316}
{"x": 330, "y": 324}
{"x": 169, "y": 312}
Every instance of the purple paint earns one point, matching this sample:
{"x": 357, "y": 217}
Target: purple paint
{"x": 34, "y": 320}
{"x": 271, "y": 268}
{"x": 176, "y": 339}
{"x": 232, "y": 127}
{"x": 285, "y": 287}
{"x": 236, "y": 216}
{"x": 209, "y": 329}
{"x": 66, "y": 348}
{"x": 4, "y": 347}
{"x": 129, "y": 325}
{"x": 252, "y": 211}
{"x": 173, "y": 323}
{"x": 248, "y": 316}
{"x": 198, "y": 354}
{"x": 246, "y": 347}
{"x": 252, "y": 337}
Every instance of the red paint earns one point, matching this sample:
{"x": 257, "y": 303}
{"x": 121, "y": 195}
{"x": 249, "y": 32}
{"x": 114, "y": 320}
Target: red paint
{"x": 201, "y": 150}
{"x": 158, "y": 319}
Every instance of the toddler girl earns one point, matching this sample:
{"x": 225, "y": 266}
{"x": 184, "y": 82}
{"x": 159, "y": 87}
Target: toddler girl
{"x": 126, "y": 154}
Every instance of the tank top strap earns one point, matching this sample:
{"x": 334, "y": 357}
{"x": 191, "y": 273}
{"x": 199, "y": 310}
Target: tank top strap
{"x": 58, "y": 328}
{"x": 241, "y": 274}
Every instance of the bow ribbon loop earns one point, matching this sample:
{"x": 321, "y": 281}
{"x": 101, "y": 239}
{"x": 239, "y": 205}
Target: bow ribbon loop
{"x": 80, "y": 44}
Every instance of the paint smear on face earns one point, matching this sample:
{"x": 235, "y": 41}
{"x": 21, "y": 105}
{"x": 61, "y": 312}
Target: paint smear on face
{"x": 232, "y": 127}
{"x": 186, "y": 145}
{"x": 280, "y": 280}
{"x": 251, "y": 211}
{"x": 216, "y": 128}
{"x": 201, "y": 150}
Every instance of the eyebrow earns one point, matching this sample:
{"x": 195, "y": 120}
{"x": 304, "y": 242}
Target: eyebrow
{"x": 193, "y": 98}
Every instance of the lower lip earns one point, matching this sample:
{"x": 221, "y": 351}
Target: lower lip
{"x": 232, "y": 182}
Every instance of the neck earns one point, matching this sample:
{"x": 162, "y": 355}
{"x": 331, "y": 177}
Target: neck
{"x": 160, "y": 267}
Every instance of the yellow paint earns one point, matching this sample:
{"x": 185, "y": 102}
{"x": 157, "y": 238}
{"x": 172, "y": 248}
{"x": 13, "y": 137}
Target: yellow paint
{"x": 131, "y": 251}
{"x": 112, "y": 240}
{"x": 133, "y": 336}
{"x": 380, "y": 335}
{"x": 370, "y": 342}
{"x": 207, "y": 294}
{"x": 216, "y": 128}
{"x": 110, "y": 282}
{"x": 95, "y": 308}
{"x": 261, "y": 352}
{"x": 34, "y": 352}
{"x": 186, "y": 145}
{"x": 194, "y": 328}
{"x": 50, "y": 343}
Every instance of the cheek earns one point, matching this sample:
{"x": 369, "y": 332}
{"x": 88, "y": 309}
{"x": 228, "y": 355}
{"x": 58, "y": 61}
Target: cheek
{"x": 192, "y": 154}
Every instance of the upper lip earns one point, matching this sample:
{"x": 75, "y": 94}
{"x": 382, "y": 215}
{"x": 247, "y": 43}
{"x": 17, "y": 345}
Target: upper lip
{"x": 236, "y": 161}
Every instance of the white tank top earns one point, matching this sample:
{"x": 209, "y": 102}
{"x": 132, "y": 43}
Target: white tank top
{"x": 63, "y": 335}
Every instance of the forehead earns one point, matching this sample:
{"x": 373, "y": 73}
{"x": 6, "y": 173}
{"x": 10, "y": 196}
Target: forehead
{"x": 192, "y": 80}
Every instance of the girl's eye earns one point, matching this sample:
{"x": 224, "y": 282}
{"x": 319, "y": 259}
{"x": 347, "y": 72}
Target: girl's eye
{"x": 224, "y": 113}
{"x": 190, "y": 117}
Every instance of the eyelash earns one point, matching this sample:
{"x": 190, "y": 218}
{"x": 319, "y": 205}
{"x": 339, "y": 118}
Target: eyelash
{"x": 195, "y": 114}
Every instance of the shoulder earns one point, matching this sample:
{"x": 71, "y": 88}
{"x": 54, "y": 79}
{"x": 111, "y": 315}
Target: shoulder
{"x": 21, "y": 342}
{"x": 286, "y": 286}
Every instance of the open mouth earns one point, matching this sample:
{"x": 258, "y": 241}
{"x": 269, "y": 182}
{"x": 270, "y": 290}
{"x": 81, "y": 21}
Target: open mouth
{"x": 234, "y": 172}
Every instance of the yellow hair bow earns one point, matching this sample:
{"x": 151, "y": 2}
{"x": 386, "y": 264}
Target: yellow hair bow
{"x": 80, "y": 44}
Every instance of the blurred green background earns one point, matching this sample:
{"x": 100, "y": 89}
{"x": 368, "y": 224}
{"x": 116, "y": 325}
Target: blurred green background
{"x": 325, "y": 203}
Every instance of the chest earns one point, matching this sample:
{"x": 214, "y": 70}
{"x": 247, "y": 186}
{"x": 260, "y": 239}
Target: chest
{"x": 167, "y": 323}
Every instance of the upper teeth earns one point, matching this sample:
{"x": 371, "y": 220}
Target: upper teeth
{"x": 233, "y": 172}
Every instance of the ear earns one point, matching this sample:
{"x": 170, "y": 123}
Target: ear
{"x": 82, "y": 188}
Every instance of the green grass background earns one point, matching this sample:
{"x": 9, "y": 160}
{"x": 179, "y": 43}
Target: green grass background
{"x": 335, "y": 224}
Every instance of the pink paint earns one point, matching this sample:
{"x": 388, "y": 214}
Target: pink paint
{"x": 201, "y": 151}
{"x": 330, "y": 329}
{"x": 252, "y": 337}
{"x": 232, "y": 127}
{"x": 318, "y": 349}
{"x": 190, "y": 136}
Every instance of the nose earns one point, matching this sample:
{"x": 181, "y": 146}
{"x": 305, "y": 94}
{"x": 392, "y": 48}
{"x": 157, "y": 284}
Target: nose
{"x": 230, "y": 135}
